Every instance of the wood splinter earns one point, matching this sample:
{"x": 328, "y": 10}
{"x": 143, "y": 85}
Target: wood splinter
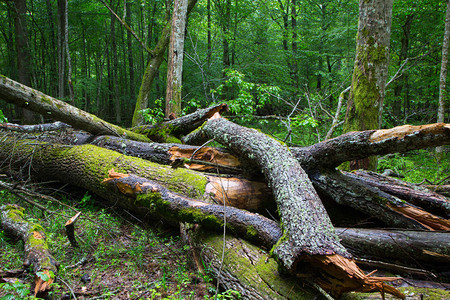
{"x": 70, "y": 230}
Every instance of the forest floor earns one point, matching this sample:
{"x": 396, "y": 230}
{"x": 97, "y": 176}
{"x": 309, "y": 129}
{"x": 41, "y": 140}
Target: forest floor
{"x": 122, "y": 257}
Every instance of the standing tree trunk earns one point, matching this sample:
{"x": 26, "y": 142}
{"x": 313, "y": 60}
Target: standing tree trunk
{"x": 370, "y": 72}
{"x": 443, "y": 76}
{"x": 175, "y": 60}
{"x": 152, "y": 70}
{"x": 66, "y": 47}
{"x": 61, "y": 45}
{"x": 23, "y": 52}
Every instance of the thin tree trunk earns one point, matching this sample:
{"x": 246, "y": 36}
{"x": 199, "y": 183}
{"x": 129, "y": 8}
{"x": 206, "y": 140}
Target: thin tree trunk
{"x": 443, "y": 75}
{"x": 23, "y": 53}
{"x": 175, "y": 59}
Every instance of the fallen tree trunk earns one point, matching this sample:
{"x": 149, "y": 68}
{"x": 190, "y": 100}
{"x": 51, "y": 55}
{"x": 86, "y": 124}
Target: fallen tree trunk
{"x": 308, "y": 235}
{"x": 358, "y": 145}
{"x": 26, "y": 97}
{"x": 346, "y": 190}
{"x": 36, "y": 249}
{"x": 412, "y": 248}
{"x": 87, "y": 166}
{"x": 430, "y": 201}
{"x": 392, "y": 211}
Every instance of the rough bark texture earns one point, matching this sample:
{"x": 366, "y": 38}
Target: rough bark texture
{"x": 392, "y": 211}
{"x": 410, "y": 247}
{"x": 415, "y": 194}
{"x": 179, "y": 126}
{"x": 357, "y": 145}
{"x": 370, "y": 72}
{"x": 309, "y": 238}
{"x": 36, "y": 249}
{"x": 306, "y": 226}
{"x": 175, "y": 59}
{"x": 247, "y": 269}
{"x": 177, "y": 207}
{"x": 19, "y": 94}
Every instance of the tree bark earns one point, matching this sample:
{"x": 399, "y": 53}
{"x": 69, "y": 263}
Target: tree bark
{"x": 86, "y": 166}
{"x": 443, "y": 74}
{"x": 365, "y": 104}
{"x": 19, "y": 94}
{"x": 308, "y": 235}
{"x": 175, "y": 60}
{"x": 410, "y": 247}
{"x": 36, "y": 249}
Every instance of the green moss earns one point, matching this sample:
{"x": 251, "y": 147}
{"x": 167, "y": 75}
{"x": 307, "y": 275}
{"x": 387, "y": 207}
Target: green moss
{"x": 172, "y": 140}
{"x": 251, "y": 232}
{"x": 15, "y": 213}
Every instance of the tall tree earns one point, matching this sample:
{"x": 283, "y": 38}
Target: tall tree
{"x": 443, "y": 75}
{"x": 175, "y": 59}
{"x": 156, "y": 58}
{"x": 23, "y": 52}
{"x": 365, "y": 104}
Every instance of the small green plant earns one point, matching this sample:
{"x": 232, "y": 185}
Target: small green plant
{"x": 155, "y": 114}
{"x": 246, "y": 97}
{"x": 87, "y": 201}
{"x": 16, "y": 290}
{"x": 3, "y": 119}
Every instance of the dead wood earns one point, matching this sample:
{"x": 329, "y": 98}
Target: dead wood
{"x": 36, "y": 249}
{"x": 31, "y": 99}
{"x": 308, "y": 235}
{"x": 358, "y": 145}
{"x": 34, "y": 128}
{"x": 414, "y": 248}
{"x": 391, "y": 210}
{"x": 177, "y": 207}
{"x": 70, "y": 230}
{"x": 179, "y": 126}
{"x": 415, "y": 194}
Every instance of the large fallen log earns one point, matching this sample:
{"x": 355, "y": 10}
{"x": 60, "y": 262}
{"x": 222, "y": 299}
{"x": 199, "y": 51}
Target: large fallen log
{"x": 37, "y": 253}
{"x": 349, "y": 190}
{"x": 415, "y": 194}
{"x": 86, "y": 166}
{"x": 31, "y": 99}
{"x": 413, "y": 248}
{"x": 308, "y": 235}
{"x": 358, "y": 145}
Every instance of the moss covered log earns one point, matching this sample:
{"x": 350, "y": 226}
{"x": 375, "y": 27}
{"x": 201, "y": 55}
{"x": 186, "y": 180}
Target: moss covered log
{"x": 177, "y": 207}
{"x": 37, "y": 253}
{"x": 31, "y": 99}
{"x": 308, "y": 237}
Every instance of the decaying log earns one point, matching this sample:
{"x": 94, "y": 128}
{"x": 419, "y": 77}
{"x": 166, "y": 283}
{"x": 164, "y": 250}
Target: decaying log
{"x": 179, "y": 126}
{"x": 36, "y": 249}
{"x": 409, "y": 247}
{"x": 87, "y": 165}
{"x": 357, "y": 145}
{"x": 392, "y": 211}
{"x": 415, "y": 194}
{"x": 177, "y": 207}
{"x": 168, "y": 154}
{"x": 247, "y": 269}
{"x": 308, "y": 235}
{"x": 31, "y": 99}
{"x": 34, "y": 128}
